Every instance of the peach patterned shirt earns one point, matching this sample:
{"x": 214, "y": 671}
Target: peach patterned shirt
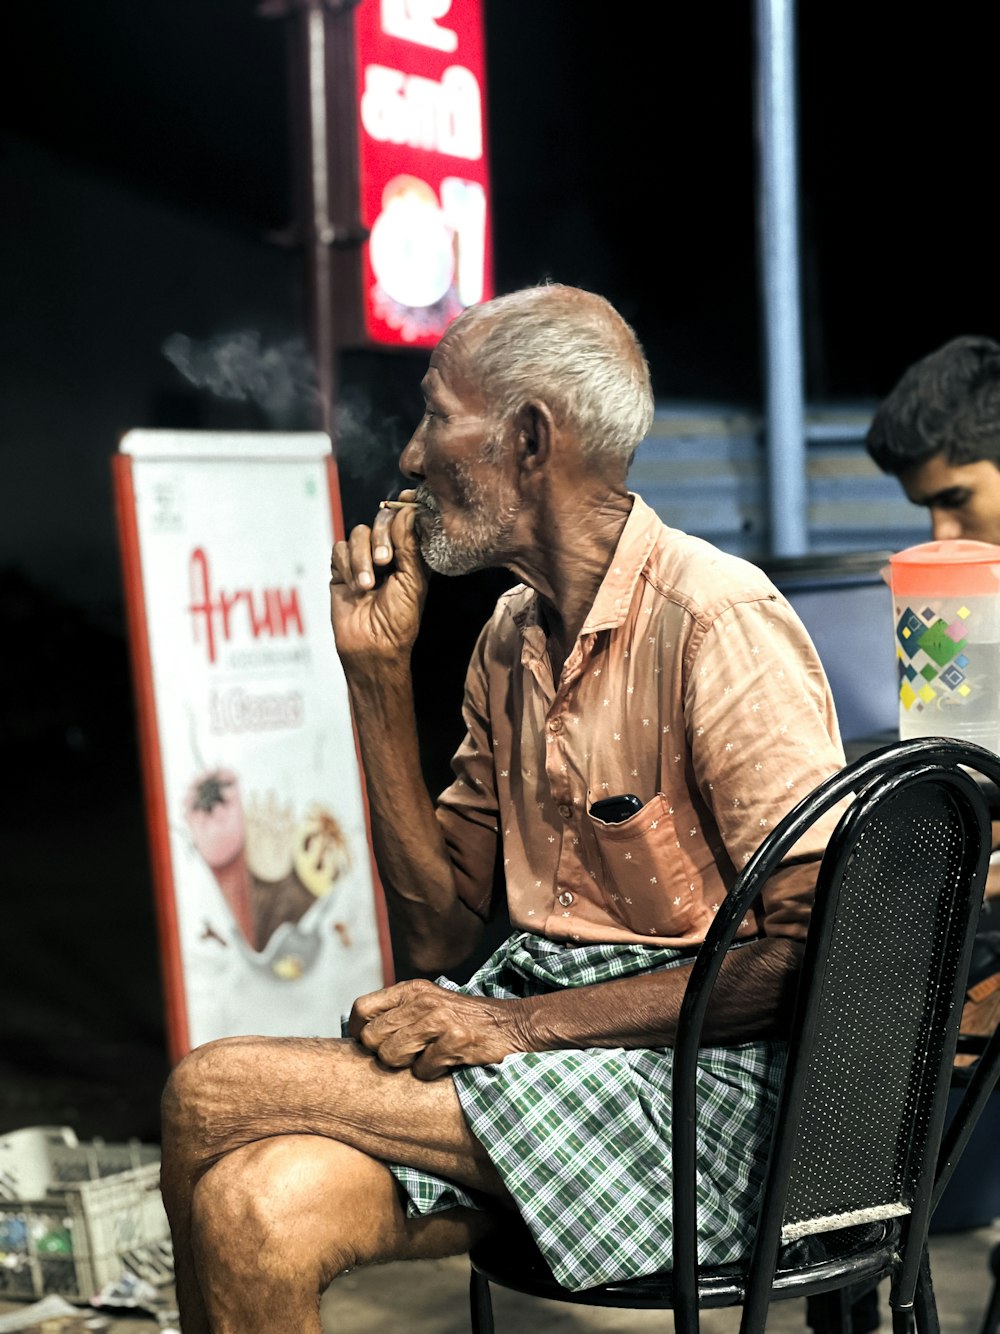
{"x": 692, "y": 685}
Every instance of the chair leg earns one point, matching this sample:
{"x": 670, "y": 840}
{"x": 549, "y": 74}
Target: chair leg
{"x": 924, "y": 1302}
{"x": 922, "y": 1314}
{"x": 850, "y": 1310}
{"x": 829, "y": 1312}
{"x": 991, "y": 1320}
{"x": 864, "y": 1309}
{"x": 480, "y": 1304}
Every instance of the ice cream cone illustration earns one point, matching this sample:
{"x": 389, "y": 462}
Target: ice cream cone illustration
{"x": 270, "y": 829}
{"x": 214, "y": 814}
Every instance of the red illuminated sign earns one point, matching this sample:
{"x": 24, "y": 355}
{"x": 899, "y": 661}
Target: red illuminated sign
{"x": 423, "y": 166}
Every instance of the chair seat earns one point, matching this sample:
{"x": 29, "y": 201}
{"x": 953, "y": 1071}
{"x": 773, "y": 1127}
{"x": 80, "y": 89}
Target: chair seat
{"x": 510, "y": 1258}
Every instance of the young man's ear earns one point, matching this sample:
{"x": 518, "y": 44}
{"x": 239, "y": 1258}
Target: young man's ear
{"x": 535, "y": 431}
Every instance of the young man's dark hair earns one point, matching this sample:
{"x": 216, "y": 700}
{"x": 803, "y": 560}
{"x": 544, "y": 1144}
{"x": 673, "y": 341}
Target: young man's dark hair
{"x": 947, "y": 403}
{"x": 939, "y": 433}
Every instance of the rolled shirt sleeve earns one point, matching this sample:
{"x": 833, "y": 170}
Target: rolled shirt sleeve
{"x": 763, "y": 734}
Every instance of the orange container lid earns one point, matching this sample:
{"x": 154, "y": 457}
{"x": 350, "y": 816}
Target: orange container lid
{"x": 957, "y": 568}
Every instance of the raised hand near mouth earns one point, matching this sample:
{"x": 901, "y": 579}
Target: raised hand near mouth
{"x": 378, "y": 586}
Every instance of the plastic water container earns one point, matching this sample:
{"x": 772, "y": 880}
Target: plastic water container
{"x": 946, "y": 609}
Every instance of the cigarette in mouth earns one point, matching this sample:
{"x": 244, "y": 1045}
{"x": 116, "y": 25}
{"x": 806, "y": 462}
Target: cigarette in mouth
{"x": 395, "y": 504}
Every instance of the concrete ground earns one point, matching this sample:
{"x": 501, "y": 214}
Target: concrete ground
{"x": 431, "y": 1297}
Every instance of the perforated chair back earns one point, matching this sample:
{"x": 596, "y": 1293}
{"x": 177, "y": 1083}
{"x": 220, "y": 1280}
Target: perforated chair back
{"x": 872, "y": 1065}
{"x": 876, "y": 1023}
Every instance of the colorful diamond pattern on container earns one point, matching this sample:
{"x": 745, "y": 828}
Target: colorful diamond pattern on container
{"x": 930, "y": 655}
{"x": 939, "y": 642}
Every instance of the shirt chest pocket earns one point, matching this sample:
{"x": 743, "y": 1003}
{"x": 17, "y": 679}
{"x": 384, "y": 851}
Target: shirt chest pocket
{"x": 645, "y": 881}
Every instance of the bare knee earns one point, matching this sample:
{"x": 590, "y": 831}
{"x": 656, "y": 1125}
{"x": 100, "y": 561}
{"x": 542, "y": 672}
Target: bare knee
{"x": 260, "y": 1260}
{"x": 207, "y": 1067}
{"x": 273, "y": 1208}
{"x": 247, "y": 1192}
{"x": 200, "y": 1107}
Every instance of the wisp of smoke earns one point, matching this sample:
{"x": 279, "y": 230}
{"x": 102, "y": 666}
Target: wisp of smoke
{"x": 367, "y": 447}
{"x": 280, "y": 379}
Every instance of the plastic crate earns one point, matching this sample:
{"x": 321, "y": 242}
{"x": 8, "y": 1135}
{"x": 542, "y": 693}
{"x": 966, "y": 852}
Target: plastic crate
{"x": 75, "y": 1217}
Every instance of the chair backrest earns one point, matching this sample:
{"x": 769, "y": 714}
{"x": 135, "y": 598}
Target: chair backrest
{"x": 876, "y": 1017}
{"x": 871, "y": 1051}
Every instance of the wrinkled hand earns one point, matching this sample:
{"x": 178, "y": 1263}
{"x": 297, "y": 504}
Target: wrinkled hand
{"x": 432, "y": 1030}
{"x": 372, "y": 618}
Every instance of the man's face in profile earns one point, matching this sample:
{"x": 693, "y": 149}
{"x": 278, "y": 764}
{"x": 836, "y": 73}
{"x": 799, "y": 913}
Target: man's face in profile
{"x": 963, "y": 498}
{"x": 467, "y": 506}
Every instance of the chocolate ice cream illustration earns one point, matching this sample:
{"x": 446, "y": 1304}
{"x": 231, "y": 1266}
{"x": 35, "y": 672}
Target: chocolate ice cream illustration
{"x": 278, "y": 894}
{"x": 292, "y": 864}
{"x": 321, "y": 851}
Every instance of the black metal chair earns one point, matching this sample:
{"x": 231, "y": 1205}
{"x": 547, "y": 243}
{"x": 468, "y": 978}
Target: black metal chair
{"x": 857, "y": 1159}
{"x": 991, "y": 1320}
{"x": 991, "y": 1316}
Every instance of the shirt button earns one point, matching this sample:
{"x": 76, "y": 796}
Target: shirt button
{"x": 565, "y": 811}
{"x": 565, "y": 898}
{"x": 556, "y": 725}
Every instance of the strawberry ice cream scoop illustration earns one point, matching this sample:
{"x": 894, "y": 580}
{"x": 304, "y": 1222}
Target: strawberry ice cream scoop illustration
{"x": 214, "y": 813}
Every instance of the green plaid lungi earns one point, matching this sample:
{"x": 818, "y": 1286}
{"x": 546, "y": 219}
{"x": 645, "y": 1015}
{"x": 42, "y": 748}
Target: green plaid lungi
{"x": 582, "y": 1138}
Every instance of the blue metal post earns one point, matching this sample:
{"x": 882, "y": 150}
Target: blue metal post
{"x": 779, "y": 272}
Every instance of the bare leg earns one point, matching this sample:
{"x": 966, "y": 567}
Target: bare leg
{"x": 226, "y": 1098}
{"x": 276, "y": 1222}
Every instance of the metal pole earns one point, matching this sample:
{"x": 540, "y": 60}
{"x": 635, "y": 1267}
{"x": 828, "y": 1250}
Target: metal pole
{"x": 779, "y": 261}
{"x": 325, "y": 179}
{"x": 320, "y": 228}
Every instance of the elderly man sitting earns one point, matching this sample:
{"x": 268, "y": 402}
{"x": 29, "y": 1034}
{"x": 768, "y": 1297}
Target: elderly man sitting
{"x": 640, "y": 711}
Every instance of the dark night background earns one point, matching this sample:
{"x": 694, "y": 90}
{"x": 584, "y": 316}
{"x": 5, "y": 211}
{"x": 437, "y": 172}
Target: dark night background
{"x": 144, "y": 174}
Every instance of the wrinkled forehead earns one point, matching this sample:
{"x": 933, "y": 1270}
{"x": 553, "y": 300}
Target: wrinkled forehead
{"x": 452, "y": 370}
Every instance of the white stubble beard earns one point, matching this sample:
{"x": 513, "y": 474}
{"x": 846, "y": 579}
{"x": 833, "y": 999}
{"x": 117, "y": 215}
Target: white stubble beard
{"x": 488, "y": 524}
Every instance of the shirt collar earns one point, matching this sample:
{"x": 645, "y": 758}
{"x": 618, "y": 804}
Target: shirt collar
{"x": 614, "y": 597}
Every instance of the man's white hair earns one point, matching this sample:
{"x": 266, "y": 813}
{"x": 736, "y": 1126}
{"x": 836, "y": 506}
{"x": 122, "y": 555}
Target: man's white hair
{"x": 573, "y": 351}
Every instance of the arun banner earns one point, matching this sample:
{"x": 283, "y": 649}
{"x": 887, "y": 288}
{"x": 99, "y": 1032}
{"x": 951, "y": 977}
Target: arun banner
{"x": 270, "y": 913}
